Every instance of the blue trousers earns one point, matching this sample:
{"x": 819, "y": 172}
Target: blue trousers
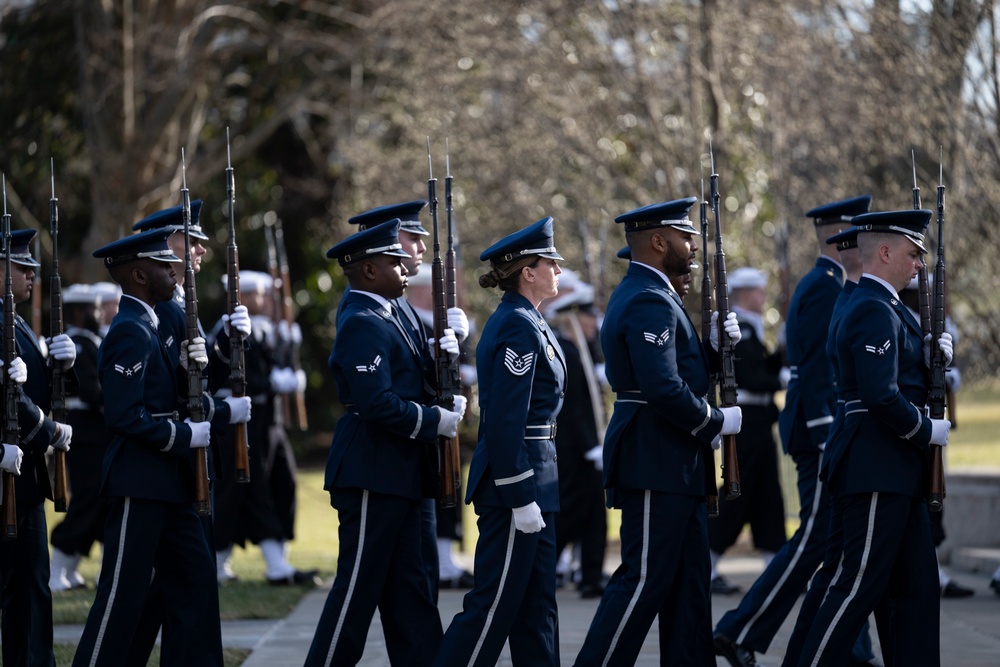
{"x": 27, "y": 601}
{"x": 514, "y": 597}
{"x": 665, "y": 570}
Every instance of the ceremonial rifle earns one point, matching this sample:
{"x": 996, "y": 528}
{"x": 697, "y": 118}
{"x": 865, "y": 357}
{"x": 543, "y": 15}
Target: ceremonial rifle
{"x": 447, "y": 372}
{"x": 727, "y": 375}
{"x": 57, "y": 379}
{"x": 711, "y": 490}
{"x": 280, "y": 346}
{"x": 11, "y": 429}
{"x": 237, "y": 360}
{"x": 937, "y": 398}
{"x": 922, "y": 280}
{"x": 202, "y": 500}
{"x": 289, "y": 317}
{"x": 36, "y": 294}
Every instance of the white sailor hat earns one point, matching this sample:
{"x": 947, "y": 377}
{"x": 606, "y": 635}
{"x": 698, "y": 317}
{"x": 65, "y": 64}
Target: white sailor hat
{"x": 746, "y": 278}
{"x": 80, "y": 293}
{"x": 256, "y": 282}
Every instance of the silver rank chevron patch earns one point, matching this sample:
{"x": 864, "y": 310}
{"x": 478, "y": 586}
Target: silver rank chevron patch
{"x": 372, "y": 367}
{"x": 129, "y": 372}
{"x": 658, "y": 341}
{"x": 517, "y": 364}
{"x": 880, "y": 350}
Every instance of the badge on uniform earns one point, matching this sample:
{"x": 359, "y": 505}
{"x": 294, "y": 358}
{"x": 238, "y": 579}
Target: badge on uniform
{"x": 372, "y": 367}
{"x": 880, "y": 350}
{"x": 170, "y": 340}
{"x": 128, "y": 372}
{"x": 551, "y": 351}
{"x": 658, "y": 341}
{"x": 517, "y": 364}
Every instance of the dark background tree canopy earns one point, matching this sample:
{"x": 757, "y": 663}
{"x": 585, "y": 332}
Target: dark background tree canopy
{"x": 578, "y": 110}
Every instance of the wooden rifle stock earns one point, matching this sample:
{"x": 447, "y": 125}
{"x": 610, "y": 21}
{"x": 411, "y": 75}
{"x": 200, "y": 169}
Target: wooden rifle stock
{"x": 727, "y": 375}
{"x": 11, "y": 429}
{"x": 237, "y": 360}
{"x": 202, "y": 499}
{"x": 711, "y": 490}
{"x": 57, "y": 379}
{"x": 448, "y": 460}
{"x": 289, "y": 316}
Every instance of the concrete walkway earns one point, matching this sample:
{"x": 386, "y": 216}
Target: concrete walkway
{"x": 970, "y": 627}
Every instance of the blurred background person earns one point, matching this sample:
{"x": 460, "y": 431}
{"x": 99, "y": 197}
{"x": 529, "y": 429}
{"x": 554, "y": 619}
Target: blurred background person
{"x": 582, "y": 519}
{"x": 83, "y": 524}
{"x": 757, "y": 373}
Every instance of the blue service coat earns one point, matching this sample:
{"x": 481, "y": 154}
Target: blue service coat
{"x": 810, "y": 401}
{"x": 36, "y": 428}
{"x": 385, "y": 440}
{"x": 659, "y": 370}
{"x": 884, "y": 442}
{"x": 522, "y": 381}
{"x": 150, "y": 454}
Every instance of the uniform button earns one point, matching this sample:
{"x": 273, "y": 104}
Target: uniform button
{"x": 555, "y": 457}
{"x": 562, "y": 394}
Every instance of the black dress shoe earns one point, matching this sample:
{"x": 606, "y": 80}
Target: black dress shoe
{"x": 462, "y": 581}
{"x": 953, "y": 590}
{"x": 738, "y": 656}
{"x": 995, "y": 585}
{"x": 720, "y": 586}
{"x": 298, "y": 578}
{"x": 590, "y": 591}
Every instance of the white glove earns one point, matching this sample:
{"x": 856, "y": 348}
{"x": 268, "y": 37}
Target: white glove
{"x": 945, "y": 343}
{"x": 596, "y": 455}
{"x": 732, "y": 420}
{"x": 195, "y": 350}
{"x": 291, "y": 333}
{"x": 449, "y": 343}
{"x": 18, "y": 371}
{"x": 953, "y": 379}
{"x": 448, "y": 426}
{"x": 11, "y": 460}
{"x": 461, "y": 403}
{"x": 731, "y": 326}
{"x": 239, "y": 409}
{"x": 201, "y": 433}
{"x": 939, "y": 431}
{"x": 64, "y": 435}
{"x": 459, "y": 323}
{"x": 63, "y": 348}
{"x": 296, "y": 333}
{"x": 300, "y": 380}
{"x": 240, "y": 319}
{"x": 528, "y": 519}
{"x": 784, "y": 375}
{"x": 283, "y": 380}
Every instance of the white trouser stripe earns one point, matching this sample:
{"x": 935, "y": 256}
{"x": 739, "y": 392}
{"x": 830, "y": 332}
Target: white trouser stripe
{"x": 857, "y": 582}
{"x": 354, "y": 579}
{"x": 806, "y": 534}
{"x": 114, "y": 585}
{"x": 496, "y": 600}
{"x": 643, "y": 569}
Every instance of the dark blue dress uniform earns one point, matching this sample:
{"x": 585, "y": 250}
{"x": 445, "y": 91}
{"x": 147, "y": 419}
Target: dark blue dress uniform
{"x": 654, "y": 466}
{"x": 377, "y": 473}
{"x": 522, "y": 377}
{"x": 149, "y": 480}
{"x": 877, "y": 470}
{"x": 24, "y": 562}
{"x": 408, "y": 214}
{"x": 803, "y": 423}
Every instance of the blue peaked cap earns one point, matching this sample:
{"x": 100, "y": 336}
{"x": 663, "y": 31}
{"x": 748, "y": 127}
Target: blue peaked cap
{"x": 378, "y": 240}
{"x": 662, "y": 214}
{"x": 911, "y": 223}
{"x": 150, "y": 244}
{"x": 846, "y": 239}
{"x": 408, "y": 214}
{"x": 20, "y": 251}
{"x": 840, "y": 211}
{"x": 535, "y": 239}
{"x": 173, "y": 218}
